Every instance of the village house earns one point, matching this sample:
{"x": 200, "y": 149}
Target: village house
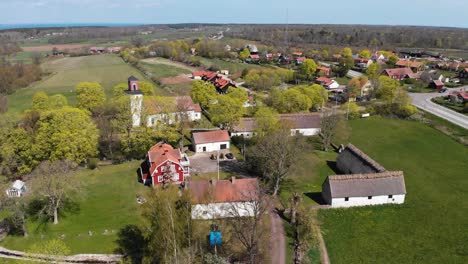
{"x": 113, "y": 49}
{"x": 436, "y": 84}
{"x": 361, "y": 63}
{"x": 224, "y": 198}
{"x": 253, "y": 58}
{"x": 17, "y": 189}
{"x": 220, "y": 81}
{"x": 327, "y": 83}
{"x": 325, "y": 70}
{"x": 378, "y": 57}
{"x": 164, "y": 164}
{"x": 97, "y": 50}
{"x": 306, "y": 124}
{"x": 415, "y": 66}
{"x": 432, "y": 75}
{"x": 364, "y": 182}
{"x": 208, "y": 141}
{"x": 400, "y": 73}
{"x": 458, "y": 97}
{"x": 300, "y": 60}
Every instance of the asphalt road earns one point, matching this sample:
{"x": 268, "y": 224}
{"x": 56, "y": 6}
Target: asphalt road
{"x": 423, "y": 101}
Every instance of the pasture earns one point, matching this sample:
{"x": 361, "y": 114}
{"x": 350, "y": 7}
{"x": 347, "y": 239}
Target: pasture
{"x": 108, "y": 203}
{"x": 431, "y": 226}
{"x": 66, "y": 73}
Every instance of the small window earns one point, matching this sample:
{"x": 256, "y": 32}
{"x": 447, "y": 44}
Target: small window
{"x": 346, "y": 199}
{"x": 369, "y": 197}
{"x": 160, "y": 178}
{"x": 390, "y": 196}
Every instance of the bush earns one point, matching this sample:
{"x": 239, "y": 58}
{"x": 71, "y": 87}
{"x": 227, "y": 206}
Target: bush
{"x": 92, "y": 163}
{"x": 221, "y": 156}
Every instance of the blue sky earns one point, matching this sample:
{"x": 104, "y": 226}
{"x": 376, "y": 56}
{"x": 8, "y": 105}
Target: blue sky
{"x": 452, "y": 13}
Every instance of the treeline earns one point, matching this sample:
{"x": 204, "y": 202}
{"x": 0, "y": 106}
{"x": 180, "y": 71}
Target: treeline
{"x": 355, "y": 35}
{"x": 15, "y": 76}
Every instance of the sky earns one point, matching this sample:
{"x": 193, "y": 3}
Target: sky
{"x": 452, "y": 13}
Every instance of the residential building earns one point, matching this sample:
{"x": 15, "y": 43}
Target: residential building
{"x": 208, "y": 141}
{"x": 17, "y": 189}
{"x": 163, "y": 165}
{"x": 413, "y": 65}
{"x": 300, "y": 60}
{"x": 97, "y": 50}
{"x": 400, "y": 73}
{"x": 361, "y": 63}
{"x": 224, "y": 198}
{"x": 326, "y": 71}
{"x": 364, "y": 182}
{"x": 327, "y": 83}
{"x": 458, "y": 97}
{"x": 172, "y": 110}
{"x": 436, "y": 84}
{"x": 306, "y": 124}
{"x": 221, "y": 82}
{"x": 378, "y": 57}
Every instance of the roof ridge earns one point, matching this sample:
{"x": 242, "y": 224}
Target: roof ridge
{"x": 365, "y": 157}
{"x": 363, "y": 176}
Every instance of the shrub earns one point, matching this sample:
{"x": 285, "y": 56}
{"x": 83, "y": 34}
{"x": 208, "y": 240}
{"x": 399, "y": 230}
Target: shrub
{"x": 221, "y": 156}
{"x": 92, "y": 163}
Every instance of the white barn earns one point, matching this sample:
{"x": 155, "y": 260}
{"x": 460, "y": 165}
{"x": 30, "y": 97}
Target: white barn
{"x": 208, "y": 141}
{"x": 364, "y": 189}
{"x": 224, "y": 198}
{"x": 306, "y": 124}
{"x": 17, "y": 189}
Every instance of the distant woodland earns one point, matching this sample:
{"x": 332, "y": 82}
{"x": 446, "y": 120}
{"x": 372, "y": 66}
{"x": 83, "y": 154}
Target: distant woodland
{"x": 388, "y": 37}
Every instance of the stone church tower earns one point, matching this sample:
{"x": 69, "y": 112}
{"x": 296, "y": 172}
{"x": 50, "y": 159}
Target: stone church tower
{"x": 136, "y": 100}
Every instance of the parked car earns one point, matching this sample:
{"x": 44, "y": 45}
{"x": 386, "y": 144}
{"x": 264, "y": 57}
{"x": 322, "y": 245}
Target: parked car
{"x": 229, "y": 155}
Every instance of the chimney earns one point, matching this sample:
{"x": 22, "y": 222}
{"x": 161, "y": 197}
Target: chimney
{"x": 233, "y": 179}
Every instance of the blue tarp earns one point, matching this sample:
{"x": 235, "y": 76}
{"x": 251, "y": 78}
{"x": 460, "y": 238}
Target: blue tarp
{"x": 215, "y": 238}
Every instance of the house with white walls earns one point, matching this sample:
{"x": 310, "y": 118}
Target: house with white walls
{"x": 17, "y": 189}
{"x": 208, "y": 141}
{"x": 224, "y": 198}
{"x": 364, "y": 182}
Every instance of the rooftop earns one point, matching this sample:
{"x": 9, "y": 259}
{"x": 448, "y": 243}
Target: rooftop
{"x": 222, "y": 191}
{"x": 210, "y": 136}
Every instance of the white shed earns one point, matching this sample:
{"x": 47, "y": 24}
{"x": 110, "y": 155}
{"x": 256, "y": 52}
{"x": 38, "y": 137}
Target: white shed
{"x": 17, "y": 189}
{"x": 208, "y": 141}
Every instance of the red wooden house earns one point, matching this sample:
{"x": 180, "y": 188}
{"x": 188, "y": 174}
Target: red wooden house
{"x": 164, "y": 165}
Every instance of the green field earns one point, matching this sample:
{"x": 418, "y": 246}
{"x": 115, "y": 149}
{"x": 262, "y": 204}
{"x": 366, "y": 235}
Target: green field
{"x": 109, "y": 202}
{"x": 234, "y": 68}
{"x": 160, "y": 68}
{"x": 66, "y": 73}
{"x": 431, "y": 227}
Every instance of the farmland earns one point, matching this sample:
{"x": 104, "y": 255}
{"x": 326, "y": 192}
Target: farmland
{"x": 108, "y": 203}
{"x": 430, "y": 226}
{"x": 66, "y": 73}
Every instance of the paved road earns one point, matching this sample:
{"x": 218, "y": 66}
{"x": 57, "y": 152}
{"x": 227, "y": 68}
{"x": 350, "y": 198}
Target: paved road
{"x": 423, "y": 101}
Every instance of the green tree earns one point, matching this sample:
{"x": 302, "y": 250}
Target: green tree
{"x": 226, "y": 112}
{"x": 266, "y": 121}
{"x": 57, "y": 101}
{"x": 203, "y": 93}
{"x": 66, "y": 133}
{"x": 146, "y": 88}
{"x": 291, "y": 101}
{"x": 351, "y": 108}
{"x": 90, "y": 96}
{"x": 316, "y": 93}
{"x": 346, "y": 52}
{"x": 365, "y": 54}
{"x": 244, "y": 54}
{"x": 392, "y": 60}
{"x": 40, "y": 101}
{"x": 389, "y": 89}
{"x": 373, "y": 71}
{"x": 308, "y": 68}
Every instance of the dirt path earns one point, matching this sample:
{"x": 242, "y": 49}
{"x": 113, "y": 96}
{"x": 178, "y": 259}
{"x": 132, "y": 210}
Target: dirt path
{"x": 277, "y": 240}
{"x": 170, "y": 63}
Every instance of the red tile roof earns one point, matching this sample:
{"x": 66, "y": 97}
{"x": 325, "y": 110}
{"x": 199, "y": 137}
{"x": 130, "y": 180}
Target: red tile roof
{"x": 160, "y": 153}
{"x": 222, "y": 191}
{"x": 324, "y": 80}
{"x": 297, "y": 53}
{"x": 255, "y": 56}
{"x": 294, "y": 121}
{"x": 301, "y": 59}
{"x": 438, "y": 83}
{"x": 409, "y": 64}
{"x": 210, "y": 136}
{"x": 399, "y": 72}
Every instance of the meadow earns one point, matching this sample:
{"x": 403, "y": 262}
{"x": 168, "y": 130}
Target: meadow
{"x": 66, "y": 73}
{"x": 108, "y": 202}
{"x": 431, "y": 226}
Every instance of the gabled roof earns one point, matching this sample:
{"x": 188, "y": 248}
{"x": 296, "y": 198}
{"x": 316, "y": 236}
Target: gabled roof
{"x": 18, "y": 184}
{"x": 362, "y": 185}
{"x": 409, "y": 64}
{"x": 175, "y": 104}
{"x": 301, "y": 59}
{"x": 210, "y": 136}
{"x": 294, "y": 121}
{"x": 399, "y": 72}
{"x": 132, "y": 78}
{"x": 438, "y": 83}
{"x": 160, "y": 153}
{"x": 222, "y": 191}
{"x": 254, "y": 56}
{"x": 325, "y": 81}
{"x": 363, "y": 156}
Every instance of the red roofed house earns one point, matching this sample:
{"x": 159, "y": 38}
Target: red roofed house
{"x": 224, "y": 198}
{"x": 208, "y": 141}
{"x": 163, "y": 165}
{"x": 458, "y": 97}
{"x": 437, "y": 84}
{"x": 413, "y": 65}
{"x": 220, "y": 82}
{"x": 300, "y": 60}
{"x": 253, "y": 58}
{"x": 327, "y": 83}
{"x": 362, "y": 63}
{"x": 326, "y": 71}
{"x": 400, "y": 73}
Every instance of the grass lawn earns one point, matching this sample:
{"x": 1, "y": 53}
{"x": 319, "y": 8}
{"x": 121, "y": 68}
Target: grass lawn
{"x": 431, "y": 226}
{"x": 234, "y": 68}
{"x": 162, "y": 68}
{"x": 109, "y": 203}
{"x": 107, "y": 69}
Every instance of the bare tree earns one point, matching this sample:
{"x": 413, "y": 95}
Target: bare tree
{"x": 54, "y": 184}
{"x": 304, "y": 233}
{"x": 274, "y": 155}
{"x": 249, "y": 230}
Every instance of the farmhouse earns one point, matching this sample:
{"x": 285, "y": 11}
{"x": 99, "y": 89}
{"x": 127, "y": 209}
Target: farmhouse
{"x": 365, "y": 182}
{"x": 208, "y": 141}
{"x": 164, "y": 164}
{"x": 413, "y": 65}
{"x": 221, "y": 83}
{"x": 304, "y": 124}
{"x": 17, "y": 189}
{"x": 224, "y": 198}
